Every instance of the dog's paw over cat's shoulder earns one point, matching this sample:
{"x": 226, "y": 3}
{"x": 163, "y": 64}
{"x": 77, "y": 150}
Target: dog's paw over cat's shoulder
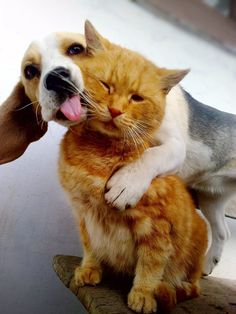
{"x": 87, "y": 276}
{"x": 127, "y": 186}
{"x": 142, "y": 301}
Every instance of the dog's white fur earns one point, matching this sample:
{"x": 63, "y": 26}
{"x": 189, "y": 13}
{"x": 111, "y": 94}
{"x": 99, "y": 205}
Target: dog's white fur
{"x": 49, "y": 50}
{"x": 169, "y": 157}
{"x": 177, "y": 152}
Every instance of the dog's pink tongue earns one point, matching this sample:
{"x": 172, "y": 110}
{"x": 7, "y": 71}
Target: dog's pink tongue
{"x": 71, "y": 108}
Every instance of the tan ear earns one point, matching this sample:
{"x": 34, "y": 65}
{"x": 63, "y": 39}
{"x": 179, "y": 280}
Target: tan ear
{"x": 18, "y": 125}
{"x": 93, "y": 39}
{"x": 170, "y": 78}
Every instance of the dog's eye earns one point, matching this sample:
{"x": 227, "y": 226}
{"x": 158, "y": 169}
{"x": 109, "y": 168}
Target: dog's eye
{"x": 75, "y": 49}
{"x": 106, "y": 86}
{"x": 31, "y": 71}
{"x": 136, "y": 97}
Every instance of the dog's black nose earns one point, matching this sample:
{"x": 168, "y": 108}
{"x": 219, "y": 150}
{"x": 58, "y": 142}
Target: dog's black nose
{"x": 58, "y": 80}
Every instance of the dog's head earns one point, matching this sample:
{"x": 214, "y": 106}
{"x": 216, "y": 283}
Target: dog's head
{"x": 50, "y": 85}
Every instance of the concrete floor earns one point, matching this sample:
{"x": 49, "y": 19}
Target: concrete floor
{"x": 35, "y": 220}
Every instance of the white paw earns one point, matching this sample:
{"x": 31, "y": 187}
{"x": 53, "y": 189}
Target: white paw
{"x": 214, "y": 253}
{"x": 127, "y": 186}
{"x": 211, "y": 260}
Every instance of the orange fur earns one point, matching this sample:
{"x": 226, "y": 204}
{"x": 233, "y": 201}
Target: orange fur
{"x": 162, "y": 240}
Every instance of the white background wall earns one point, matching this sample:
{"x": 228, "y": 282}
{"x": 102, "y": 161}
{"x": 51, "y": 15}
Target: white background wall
{"x": 35, "y": 220}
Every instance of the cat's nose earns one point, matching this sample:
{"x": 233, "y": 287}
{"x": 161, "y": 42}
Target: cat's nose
{"x": 114, "y": 112}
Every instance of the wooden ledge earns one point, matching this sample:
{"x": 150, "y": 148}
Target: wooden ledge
{"x": 109, "y": 297}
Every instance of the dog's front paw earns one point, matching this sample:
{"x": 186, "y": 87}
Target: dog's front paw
{"x": 142, "y": 301}
{"x": 213, "y": 257}
{"x": 87, "y": 276}
{"x": 210, "y": 262}
{"x": 127, "y": 186}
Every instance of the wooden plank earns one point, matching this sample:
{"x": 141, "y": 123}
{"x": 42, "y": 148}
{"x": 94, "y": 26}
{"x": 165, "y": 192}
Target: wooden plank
{"x": 199, "y": 17}
{"x": 109, "y": 297}
{"x": 233, "y": 9}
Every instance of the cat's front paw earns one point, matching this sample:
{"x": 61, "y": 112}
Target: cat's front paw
{"x": 127, "y": 186}
{"x": 142, "y": 301}
{"x": 87, "y": 276}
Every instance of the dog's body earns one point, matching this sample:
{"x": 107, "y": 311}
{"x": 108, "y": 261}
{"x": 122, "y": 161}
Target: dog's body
{"x": 195, "y": 140}
{"x": 198, "y": 142}
{"x": 210, "y": 168}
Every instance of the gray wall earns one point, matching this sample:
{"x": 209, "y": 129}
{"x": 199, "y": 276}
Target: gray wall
{"x": 35, "y": 224}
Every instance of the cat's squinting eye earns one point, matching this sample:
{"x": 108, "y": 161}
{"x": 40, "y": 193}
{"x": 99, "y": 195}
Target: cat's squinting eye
{"x": 136, "y": 97}
{"x": 107, "y": 87}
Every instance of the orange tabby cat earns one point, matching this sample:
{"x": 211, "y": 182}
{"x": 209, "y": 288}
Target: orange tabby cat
{"x": 162, "y": 240}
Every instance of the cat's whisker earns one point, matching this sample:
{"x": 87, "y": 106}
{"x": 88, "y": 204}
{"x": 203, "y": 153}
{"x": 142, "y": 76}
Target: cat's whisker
{"x": 72, "y": 130}
{"x": 84, "y": 93}
{"x": 139, "y": 139}
{"x": 88, "y": 95}
{"x": 33, "y": 102}
{"x": 42, "y": 123}
{"x": 97, "y": 113}
{"x": 126, "y": 142}
{"x": 75, "y": 89}
{"x": 89, "y": 101}
{"x": 142, "y": 133}
{"x": 91, "y": 117}
{"x": 92, "y": 106}
{"x": 144, "y": 123}
{"x": 91, "y": 113}
{"x": 70, "y": 90}
{"x": 134, "y": 140}
{"x": 36, "y": 114}
{"x": 70, "y": 83}
{"x": 140, "y": 136}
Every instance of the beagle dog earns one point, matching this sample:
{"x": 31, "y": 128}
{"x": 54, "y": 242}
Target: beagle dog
{"x": 197, "y": 141}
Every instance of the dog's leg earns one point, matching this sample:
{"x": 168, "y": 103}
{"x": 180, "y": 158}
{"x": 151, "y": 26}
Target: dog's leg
{"x": 213, "y": 207}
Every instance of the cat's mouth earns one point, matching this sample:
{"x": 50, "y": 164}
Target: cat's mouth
{"x": 105, "y": 127}
{"x": 110, "y": 124}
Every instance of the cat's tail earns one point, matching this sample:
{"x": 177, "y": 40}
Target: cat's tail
{"x": 187, "y": 291}
{"x": 168, "y": 296}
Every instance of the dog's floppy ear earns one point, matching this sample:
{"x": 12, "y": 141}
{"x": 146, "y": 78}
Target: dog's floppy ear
{"x": 19, "y": 125}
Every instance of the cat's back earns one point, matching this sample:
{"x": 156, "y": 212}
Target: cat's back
{"x": 168, "y": 198}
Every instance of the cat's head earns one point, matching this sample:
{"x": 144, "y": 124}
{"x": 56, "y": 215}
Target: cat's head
{"x": 126, "y": 92}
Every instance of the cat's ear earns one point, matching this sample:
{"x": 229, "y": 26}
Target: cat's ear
{"x": 94, "y": 40}
{"x": 19, "y": 125}
{"x": 170, "y": 78}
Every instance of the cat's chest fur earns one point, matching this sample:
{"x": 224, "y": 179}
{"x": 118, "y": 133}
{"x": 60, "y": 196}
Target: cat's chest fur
{"x": 112, "y": 243}
{"x": 84, "y": 169}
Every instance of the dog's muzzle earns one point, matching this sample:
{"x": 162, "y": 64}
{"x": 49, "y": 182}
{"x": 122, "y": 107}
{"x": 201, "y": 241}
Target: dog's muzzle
{"x": 63, "y": 100}
{"x": 59, "y": 81}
